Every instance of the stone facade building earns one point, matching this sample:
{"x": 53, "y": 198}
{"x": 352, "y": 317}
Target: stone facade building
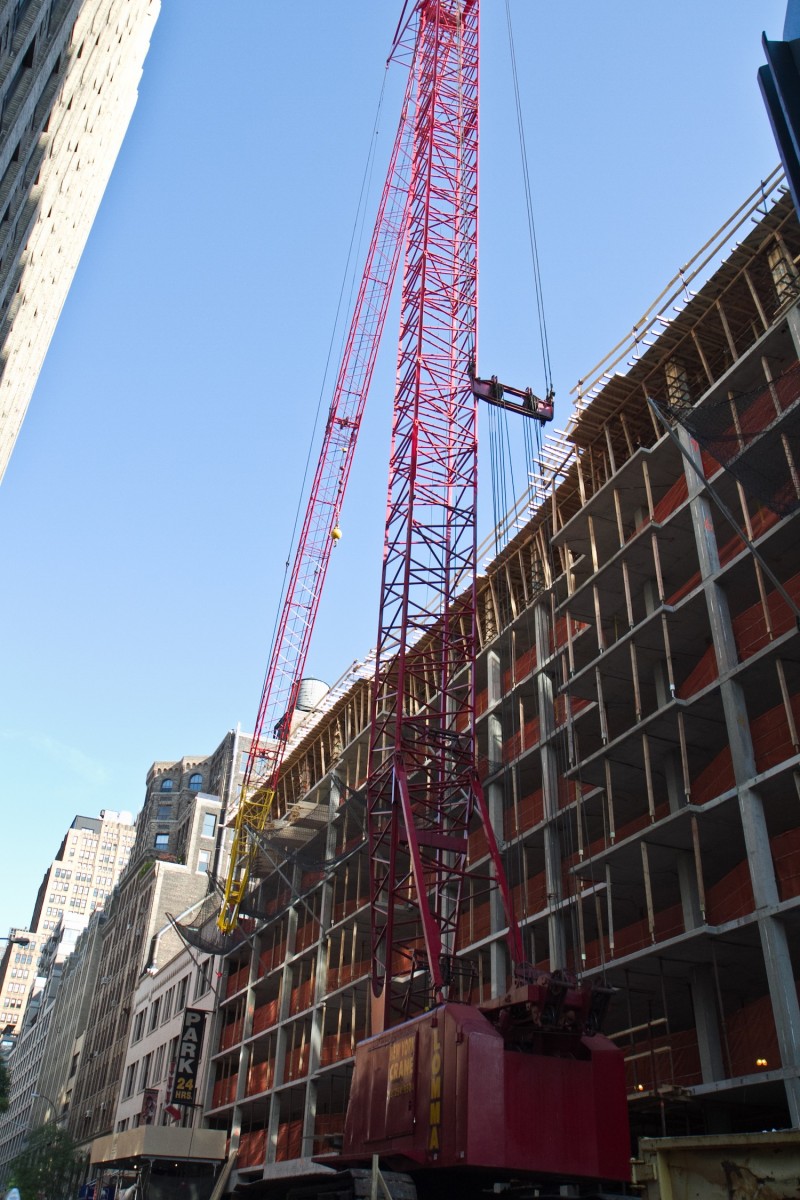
{"x": 160, "y": 1002}
{"x": 88, "y": 864}
{"x": 30, "y": 1102}
{"x": 85, "y": 870}
{"x": 69, "y": 73}
{"x": 59, "y": 1064}
{"x": 18, "y": 968}
{"x": 177, "y": 835}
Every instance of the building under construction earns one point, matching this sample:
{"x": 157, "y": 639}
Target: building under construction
{"x": 638, "y": 709}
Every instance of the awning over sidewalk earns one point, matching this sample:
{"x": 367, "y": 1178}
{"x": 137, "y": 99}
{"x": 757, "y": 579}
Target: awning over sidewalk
{"x": 150, "y": 1142}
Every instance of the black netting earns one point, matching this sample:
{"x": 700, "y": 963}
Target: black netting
{"x": 756, "y": 436}
{"x": 283, "y": 864}
{"x": 200, "y": 928}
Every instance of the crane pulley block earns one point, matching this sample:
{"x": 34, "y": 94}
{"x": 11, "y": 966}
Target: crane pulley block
{"x": 527, "y": 404}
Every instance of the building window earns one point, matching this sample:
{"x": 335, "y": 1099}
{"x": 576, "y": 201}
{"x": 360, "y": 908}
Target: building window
{"x": 203, "y": 862}
{"x": 162, "y": 841}
{"x": 195, "y": 783}
{"x": 138, "y": 1026}
{"x": 154, "y": 1011}
{"x": 130, "y": 1077}
{"x": 183, "y": 988}
{"x": 166, "y": 785}
{"x": 209, "y": 824}
{"x": 203, "y": 979}
{"x": 164, "y": 812}
{"x": 144, "y": 1076}
{"x": 167, "y": 1006}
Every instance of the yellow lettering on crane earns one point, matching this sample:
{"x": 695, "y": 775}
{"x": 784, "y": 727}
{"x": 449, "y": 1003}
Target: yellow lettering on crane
{"x": 401, "y": 1067}
{"x": 435, "y": 1111}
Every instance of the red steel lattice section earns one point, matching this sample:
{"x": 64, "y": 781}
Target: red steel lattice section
{"x": 422, "y": 785}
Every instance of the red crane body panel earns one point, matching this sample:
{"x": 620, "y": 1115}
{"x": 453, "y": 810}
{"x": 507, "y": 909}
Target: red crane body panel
{"x": 444, "y": 1090}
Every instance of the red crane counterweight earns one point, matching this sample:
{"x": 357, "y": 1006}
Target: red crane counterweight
{"x": 451, "y": 1090}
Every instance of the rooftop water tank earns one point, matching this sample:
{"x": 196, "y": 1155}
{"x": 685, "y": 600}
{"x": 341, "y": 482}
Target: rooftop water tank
{"x": 310, "y": 693}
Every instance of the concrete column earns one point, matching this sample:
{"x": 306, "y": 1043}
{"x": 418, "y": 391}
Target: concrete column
{"x": 660, "y": 681}
{"x": 280, "y": 1036}
{"x": 774, "y": 944}
{"x": 650, "y": 594}
{"x": 704, "y": 1001}
{"x": 687, "y": 884}
{"x": 494, "y": 681}
{"x": 321, "y": 986}
{"x": 684, "y": 860}
{"x": 498, "y": 951}
{"x": 494, "y": 747}
{"x": 793, "y": 321}
{"x": 673, "y": 777}
{"x": 552, "y": 839}
{"x": 245, "y": 1051}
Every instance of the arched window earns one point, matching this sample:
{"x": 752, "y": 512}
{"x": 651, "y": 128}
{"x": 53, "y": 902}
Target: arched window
{"x": 166, "y": 785}
{"x": 195, "y": 783}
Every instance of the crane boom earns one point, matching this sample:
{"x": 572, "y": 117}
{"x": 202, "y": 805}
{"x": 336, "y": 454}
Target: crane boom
{"x": 317, "y": 536}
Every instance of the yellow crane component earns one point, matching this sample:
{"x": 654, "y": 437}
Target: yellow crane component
{"x": 251, "y": 817}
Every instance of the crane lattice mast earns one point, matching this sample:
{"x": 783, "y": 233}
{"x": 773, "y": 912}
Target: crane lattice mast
{"x": 422, "y": 787}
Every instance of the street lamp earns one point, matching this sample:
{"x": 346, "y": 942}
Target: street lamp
{"x": 52, "y": 1103}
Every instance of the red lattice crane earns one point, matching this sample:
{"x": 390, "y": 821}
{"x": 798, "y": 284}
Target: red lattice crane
{"x": 522, "y": 1084}
{"x": 519, "y": 1086}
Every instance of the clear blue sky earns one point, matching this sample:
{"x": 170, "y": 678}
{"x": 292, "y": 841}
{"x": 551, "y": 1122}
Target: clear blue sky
{"x": 145, "y": 515}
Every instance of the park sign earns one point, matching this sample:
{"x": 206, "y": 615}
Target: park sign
{"x": 184, "y": 1084}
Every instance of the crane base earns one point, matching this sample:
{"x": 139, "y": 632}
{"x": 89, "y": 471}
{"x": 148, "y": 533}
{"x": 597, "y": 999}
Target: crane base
{"x": 446, "y": 1090}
